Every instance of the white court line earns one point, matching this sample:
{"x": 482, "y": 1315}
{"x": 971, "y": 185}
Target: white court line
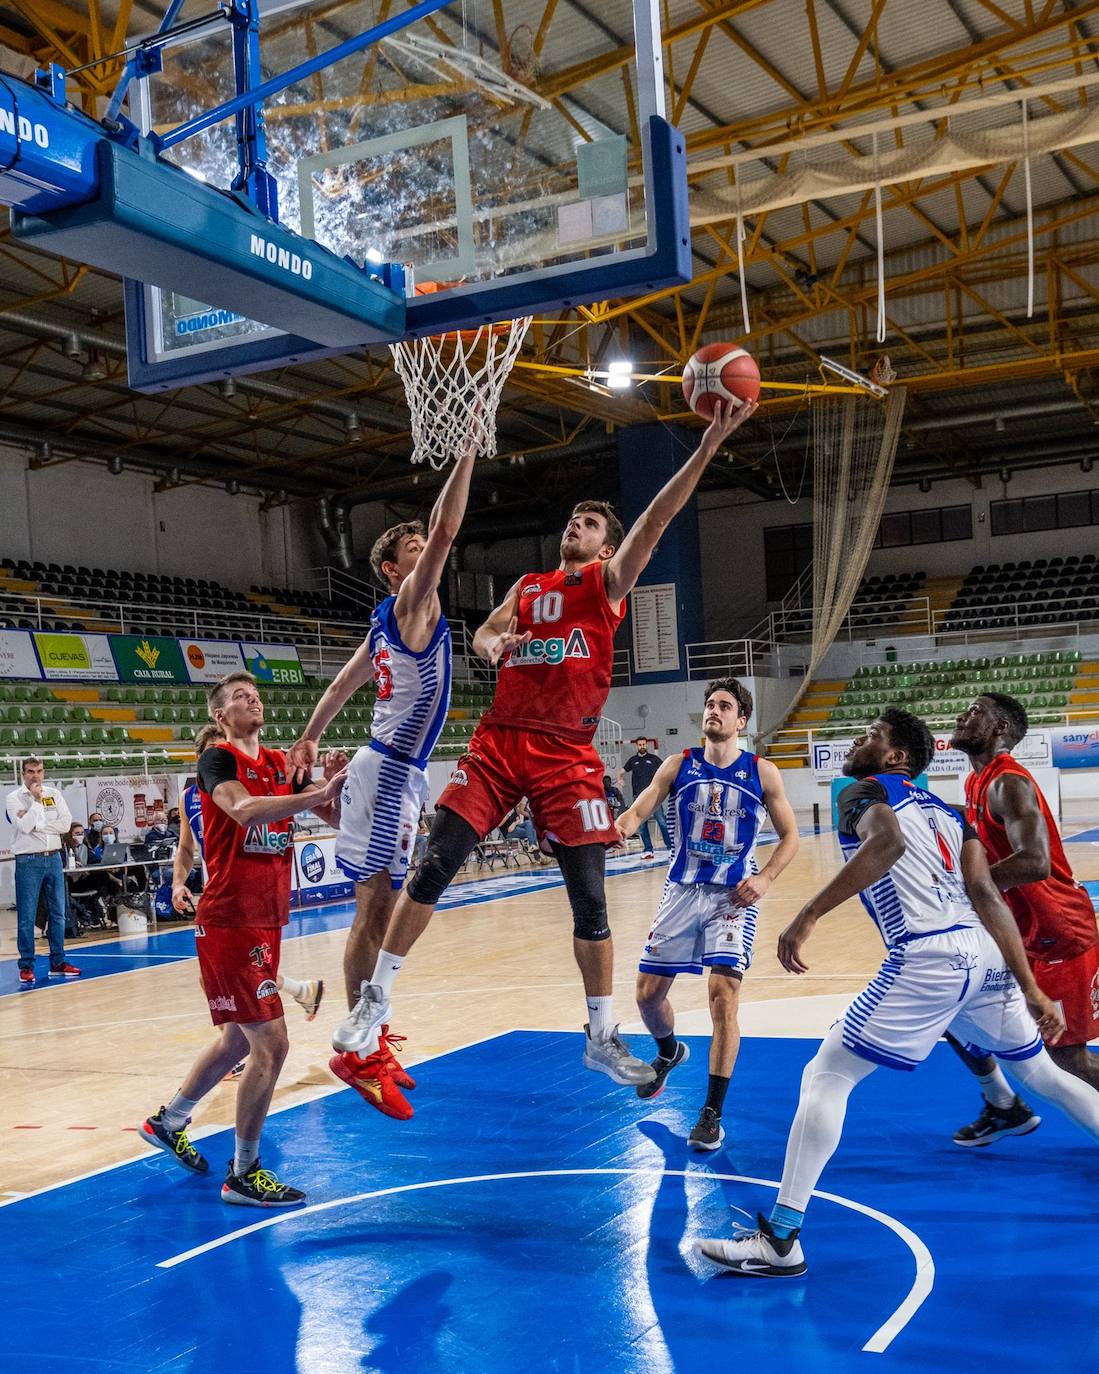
{"x": 877, "y": 1343}
{"x": 201, "y": 1132}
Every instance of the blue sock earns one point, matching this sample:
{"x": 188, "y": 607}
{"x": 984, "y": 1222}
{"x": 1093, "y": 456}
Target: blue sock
{"x": 783, "y": 1220}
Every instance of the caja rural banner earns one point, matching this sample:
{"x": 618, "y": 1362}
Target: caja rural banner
{"x": 148, "y": 659}
{"x": 141, "y": 659}
{"x": 1035, "y": 751}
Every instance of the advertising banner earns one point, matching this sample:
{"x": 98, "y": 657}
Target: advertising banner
{"x": 1076, "y": 746}
{"x": 1034, "y": 751}
{"x": 276, "y": 663}
{"x": 316, "y": 877}
{"x": 210, "y": 659}
{"x": 17, "y": 656}
{"x": 123, "y": 800}
{"x": 148, "y": 659}
{"x": 75, "y": 656}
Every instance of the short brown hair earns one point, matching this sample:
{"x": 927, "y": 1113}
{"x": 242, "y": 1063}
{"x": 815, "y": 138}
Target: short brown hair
{"x": 386, "y": 546}
{"x": 32, "y": 761}
{"x": 736, "y": 690}
{"x": 615, "y": 533}
{"x": 207, "y": 735}
{"x": 215, "y": 697}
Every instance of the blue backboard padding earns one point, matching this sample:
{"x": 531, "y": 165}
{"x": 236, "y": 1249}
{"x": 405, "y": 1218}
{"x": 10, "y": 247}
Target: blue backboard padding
{"x": 667, "y": 264}
{"x": 191, "y": 238}
{"x": 47, "y": 155}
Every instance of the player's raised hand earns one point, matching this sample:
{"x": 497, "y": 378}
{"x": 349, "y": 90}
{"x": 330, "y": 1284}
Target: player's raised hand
{"x": 301, "y": 756}
{"x": 1051, "y": 1024}
{"x": 335, "y": 761}
{"x": 507, "y": 642}
{"x": 727, "y": 419}
{"x": 791, "y": 941}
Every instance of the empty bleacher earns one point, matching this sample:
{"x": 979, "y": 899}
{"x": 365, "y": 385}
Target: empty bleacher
{"x": 882, "y": 602}
{"x": 1040, "y": 591}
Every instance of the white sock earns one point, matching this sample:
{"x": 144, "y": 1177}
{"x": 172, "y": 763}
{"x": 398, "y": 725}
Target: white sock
{"x": 386, "y": 970}
{"x": 178, "y": 1112}
{"x": 294, "y": 986}
{"x": 600, "y": 1017}
{"x": 245, "y": 1154}
{"x": 1077, "y": 1099}
{"x": 997, "y": 1090}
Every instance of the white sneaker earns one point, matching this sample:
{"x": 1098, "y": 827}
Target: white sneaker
{"x": 359, "y": 1033}
{"x": 309, "y": 999}
{"x": 612, "y": 1056}
{"x": 648, "y": 854}
{"x": 757, "y": 1254}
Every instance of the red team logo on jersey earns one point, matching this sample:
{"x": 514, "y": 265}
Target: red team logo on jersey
{"x": 383, "y": 674}
{"x": 260, "y": 955}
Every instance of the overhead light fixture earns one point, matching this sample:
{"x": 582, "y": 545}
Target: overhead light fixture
{"x": 620, "y": 375}
{"x": 1085, "y": 464}
{"x": 94, "y": 369}
{"x": 115, "y": 464}
{"x": 281, "y": 496}
{"x": 228, "y": 388}
{"x": 72, "y": 347}
{"x": 232, "y": 487}
{"x": 925, "y": 484}
{"x": 1005, "y": 474}
{"x": 174, "y": 476}
{"x": 351, "y": 425}
{"x": 999, "y": 425}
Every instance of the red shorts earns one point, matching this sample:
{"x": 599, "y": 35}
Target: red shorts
{"x": 562, "y": 780}
{"x": 1074, "y": 985}
{"x": 239, "y": 965}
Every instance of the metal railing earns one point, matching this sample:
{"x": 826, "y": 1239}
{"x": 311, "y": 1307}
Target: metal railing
{"x": 732, "y": 658}
{"x": 338, "y": 585}
{"x": 1054, "y": 613}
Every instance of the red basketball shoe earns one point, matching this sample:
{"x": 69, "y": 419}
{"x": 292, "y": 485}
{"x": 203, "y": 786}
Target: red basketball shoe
{"x": 387, "y": 1046}
{"x": 371, "y": 1080}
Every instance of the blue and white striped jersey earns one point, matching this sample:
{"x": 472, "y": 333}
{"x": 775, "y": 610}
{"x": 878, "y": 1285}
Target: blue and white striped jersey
{"x": 413, "y": 689}
{"x": 192, "y": 809}
{"x": 924, "y": 892}
{"x": 716, "y": 816}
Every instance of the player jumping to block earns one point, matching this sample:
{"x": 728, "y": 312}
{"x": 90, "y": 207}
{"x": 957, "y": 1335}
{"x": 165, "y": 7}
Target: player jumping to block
{"x": 707, "y": 915}
{"x": 955, "y": 961}
{"x": 408, "y": 655}
{"x": 553, "y": 641}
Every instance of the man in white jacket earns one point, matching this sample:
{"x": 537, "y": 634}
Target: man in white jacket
{"x": 39, "y": 817}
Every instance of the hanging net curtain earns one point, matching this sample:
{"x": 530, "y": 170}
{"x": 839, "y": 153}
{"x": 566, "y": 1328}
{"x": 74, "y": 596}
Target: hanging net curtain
{"x": 854, "y": 440}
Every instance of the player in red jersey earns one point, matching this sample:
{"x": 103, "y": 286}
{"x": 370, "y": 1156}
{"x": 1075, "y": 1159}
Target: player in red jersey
{"x": 552, "y": 639}
{"x": 247, "y": 802}
{"x": 1053, "y": 912}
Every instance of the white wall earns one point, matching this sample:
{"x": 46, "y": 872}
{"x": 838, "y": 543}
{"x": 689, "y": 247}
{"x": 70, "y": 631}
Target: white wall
{"x": 732, "y": 525}
{"x": 78, "y": 513}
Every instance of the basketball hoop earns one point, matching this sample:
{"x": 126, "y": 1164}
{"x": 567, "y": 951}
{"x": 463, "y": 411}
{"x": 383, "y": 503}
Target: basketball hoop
{"x": 453, "y": 383}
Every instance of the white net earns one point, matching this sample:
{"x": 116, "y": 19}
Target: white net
{"x": 453, "y": 383}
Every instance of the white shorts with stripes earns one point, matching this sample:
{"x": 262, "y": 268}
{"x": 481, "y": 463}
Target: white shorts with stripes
{"x": 952, "y": 981}
{"x": 698, "y": 925}
{"x": 379, "y": 816}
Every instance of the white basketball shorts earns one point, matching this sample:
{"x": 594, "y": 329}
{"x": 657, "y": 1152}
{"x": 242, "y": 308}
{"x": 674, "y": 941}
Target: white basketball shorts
{"x": 953, "y": 981}
{"x": 697, "y": 925}
{"x": 380, "y": 814}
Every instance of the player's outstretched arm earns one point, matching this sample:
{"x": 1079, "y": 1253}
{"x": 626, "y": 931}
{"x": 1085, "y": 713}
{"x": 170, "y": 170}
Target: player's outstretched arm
{"x": 755, "y": 885}
{"x": 497, "y": 636}
{"x": 882, "y": 844}
{"x": 241, "y": 806}
{"x": 997, "y": 919}
{"x": 358, "y": 669}
{"x": 183, "y": 860}
{"x": 446, "y": 520}
{"x": 621, "y": 572}
{"x": 635, "y": 816}
{"x": 1013, "y": 799}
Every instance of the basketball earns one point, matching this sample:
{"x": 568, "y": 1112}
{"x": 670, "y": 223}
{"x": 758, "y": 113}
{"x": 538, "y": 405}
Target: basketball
{"x": 720, "y": 372}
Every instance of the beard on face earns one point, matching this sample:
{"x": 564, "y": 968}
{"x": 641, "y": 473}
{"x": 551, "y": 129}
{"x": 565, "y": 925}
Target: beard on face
{"x": 967, "y": 744}
{"x": 860, "y": 767}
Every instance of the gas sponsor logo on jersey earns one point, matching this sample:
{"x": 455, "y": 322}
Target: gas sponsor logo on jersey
{"x": 550, "y": 652}
{"x": 261, "y": 839}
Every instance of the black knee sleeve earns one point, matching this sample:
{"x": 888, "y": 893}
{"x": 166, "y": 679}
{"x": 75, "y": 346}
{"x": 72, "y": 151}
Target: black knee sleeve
{"x": 583, "y": 867}
{"x": 451, "y": 842}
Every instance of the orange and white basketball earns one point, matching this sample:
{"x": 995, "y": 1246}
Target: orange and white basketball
{"x": 720, "y": 372}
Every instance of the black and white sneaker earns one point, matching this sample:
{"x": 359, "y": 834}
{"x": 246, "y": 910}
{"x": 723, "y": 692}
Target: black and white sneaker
{"x": 995, "y": 1122}
{"x": 259, "y": 1188}
{"x": 708, "y": 1131}
{"x": 176, "y": 1143}
{"x": 662, "y": 1068}
{"x": 757, "y": 1254}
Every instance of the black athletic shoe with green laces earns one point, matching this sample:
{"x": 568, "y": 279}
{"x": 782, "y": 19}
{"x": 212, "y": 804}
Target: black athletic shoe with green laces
{"x": 176, "y": 1143}
{"x": 259, "y": 1188}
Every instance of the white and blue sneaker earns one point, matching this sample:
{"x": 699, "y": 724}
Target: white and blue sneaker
{"x": 359, "y": 1033}
{"x": 757, "y": 1254}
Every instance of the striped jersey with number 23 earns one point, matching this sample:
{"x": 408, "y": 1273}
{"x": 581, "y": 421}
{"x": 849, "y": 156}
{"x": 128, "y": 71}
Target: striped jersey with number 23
{"x": 717, "y": 813}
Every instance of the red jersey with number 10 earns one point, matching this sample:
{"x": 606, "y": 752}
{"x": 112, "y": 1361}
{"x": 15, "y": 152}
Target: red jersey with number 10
{"x": 1055, "y": 916}
{"x": 558, "y": 683}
